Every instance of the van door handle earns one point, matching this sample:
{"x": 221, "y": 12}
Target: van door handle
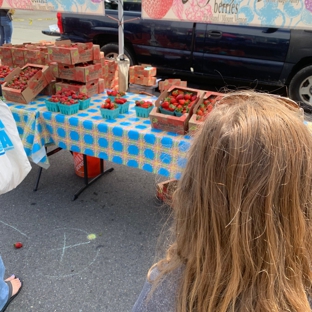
{"x": 215, "y": 34}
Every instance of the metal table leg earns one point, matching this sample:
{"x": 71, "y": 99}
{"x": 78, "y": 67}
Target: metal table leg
{"x": 86, "y": 179}
{"x": 40, "y": 168}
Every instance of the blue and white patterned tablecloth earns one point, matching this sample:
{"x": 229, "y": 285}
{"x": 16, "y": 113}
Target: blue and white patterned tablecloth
{"x": 126, "y": 140}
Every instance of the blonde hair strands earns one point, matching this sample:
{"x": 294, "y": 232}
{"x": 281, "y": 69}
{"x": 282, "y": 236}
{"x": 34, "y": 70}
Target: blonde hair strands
{"x": 242, "y": 211}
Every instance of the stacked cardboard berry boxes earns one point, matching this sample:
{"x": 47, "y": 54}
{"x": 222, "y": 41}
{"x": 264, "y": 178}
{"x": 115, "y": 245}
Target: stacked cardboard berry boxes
{"x": 19, "y": 55}
{"x": 110, "y": 75}
{"x": 77, "y": 66}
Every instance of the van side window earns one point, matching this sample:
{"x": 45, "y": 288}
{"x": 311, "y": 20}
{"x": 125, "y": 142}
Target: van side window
{"x": 129, "y": 5}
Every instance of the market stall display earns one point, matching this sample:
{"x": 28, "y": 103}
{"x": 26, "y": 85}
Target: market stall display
{"x": 127, "y": 139}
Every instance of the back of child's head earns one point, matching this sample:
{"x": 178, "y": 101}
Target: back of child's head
{"x": 243, "y": 209}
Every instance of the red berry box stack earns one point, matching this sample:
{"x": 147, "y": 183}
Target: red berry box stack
{"x": 174, "y": 108}
{"x": 6, "y": 55}
{"x": 110, "y": 75}
{"x": 77, "y": 66}
{"x": 19, "y": 55}
{"x": 142, "y": 75}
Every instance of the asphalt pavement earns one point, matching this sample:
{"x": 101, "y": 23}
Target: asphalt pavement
{"x": 62, "y": 266}
{"x": 91, "y": 254}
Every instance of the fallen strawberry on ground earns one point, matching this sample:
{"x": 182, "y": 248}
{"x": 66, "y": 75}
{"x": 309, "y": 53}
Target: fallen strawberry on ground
{"x": 18, "y": 245}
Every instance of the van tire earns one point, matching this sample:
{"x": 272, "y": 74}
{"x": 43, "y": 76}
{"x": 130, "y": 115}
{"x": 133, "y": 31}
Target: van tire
{"x": 111, "y": 52}
{"x": 300, "y": 88}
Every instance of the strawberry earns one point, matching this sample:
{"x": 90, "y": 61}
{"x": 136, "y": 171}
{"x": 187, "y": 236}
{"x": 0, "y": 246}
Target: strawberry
{"x": 165, "y": 105}
{"x": 181, "y": 102}
{"x": 187, "y": 96}
{"x": 173, "y": 100}
{"x": 18, "y": 245}
{"x": 175, "y": 92}
{"x": 180, "y": 97}
{"x": 171, "y": 107}
{"x": 209, "y": 108}
{"x": 118, "y": 101}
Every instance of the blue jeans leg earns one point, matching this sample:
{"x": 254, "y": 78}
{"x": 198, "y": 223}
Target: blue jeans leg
{"x": 6, "y": 30}
{"x": 4, "y": 288}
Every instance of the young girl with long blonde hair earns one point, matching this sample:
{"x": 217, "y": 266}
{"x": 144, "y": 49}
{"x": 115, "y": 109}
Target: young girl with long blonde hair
{"x": 242, "y": 232}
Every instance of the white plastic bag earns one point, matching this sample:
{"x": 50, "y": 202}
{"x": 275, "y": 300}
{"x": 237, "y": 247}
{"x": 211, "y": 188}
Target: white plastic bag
{"x": 14, "y": 164}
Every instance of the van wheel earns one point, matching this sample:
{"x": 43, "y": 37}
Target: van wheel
{"x": 111, "y": 52}
{"x": 300, "y": 88}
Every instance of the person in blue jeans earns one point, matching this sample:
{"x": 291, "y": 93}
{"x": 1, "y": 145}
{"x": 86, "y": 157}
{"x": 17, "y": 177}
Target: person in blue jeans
{"x": 9, "y": 288}
{"x": 6, "y": 27}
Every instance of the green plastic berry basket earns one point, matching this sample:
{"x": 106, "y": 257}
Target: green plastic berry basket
{"x": 178, "y": 114}
{"x": 69, "y": 109}
{"x": 166, "y": 111}
{"x": 52, "y": 106}
{"x": 110, "y": 113}
{"x": 143, "y": 112}
{"x": 124, "y": 108}
{"x": 84, "y": 104}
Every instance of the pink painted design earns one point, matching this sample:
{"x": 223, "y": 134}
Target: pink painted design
{"x": 177, "y": 8}
{"x": 96, "y": 1}
{"x": 197, "y": 10}
{"x": 156, "y": 9}
{"x": 308, "y": 5}
{"x": 21, "y": 4}
{"x": 1, "y": 2}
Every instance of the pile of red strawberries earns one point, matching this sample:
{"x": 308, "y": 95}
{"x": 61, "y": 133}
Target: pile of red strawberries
{"x": 206, "y": 107}
{"x": 112, "y": 104}
{"x": 143, "y": 104}
{"x": 68, "y": 97}
{"x": 108, "y": 104}
{"x": 115, "y": 93}
{"x": 179, "y": 101}
{"x": 20, "y": 82}
{"x": 4, "y": 71}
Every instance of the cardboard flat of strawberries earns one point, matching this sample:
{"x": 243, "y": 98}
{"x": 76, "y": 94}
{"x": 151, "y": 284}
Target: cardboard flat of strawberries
{"x": 90, "y": 88}
{"x": 165, "y": 190}
{"x": 80, "y": 72}
{"x": 177, "y": 124}
{"x": 35, "y": 84}
{"x": 202, "y": 109}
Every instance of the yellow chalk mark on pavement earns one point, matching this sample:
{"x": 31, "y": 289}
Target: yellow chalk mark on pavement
{"x": 91, "y": 236}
